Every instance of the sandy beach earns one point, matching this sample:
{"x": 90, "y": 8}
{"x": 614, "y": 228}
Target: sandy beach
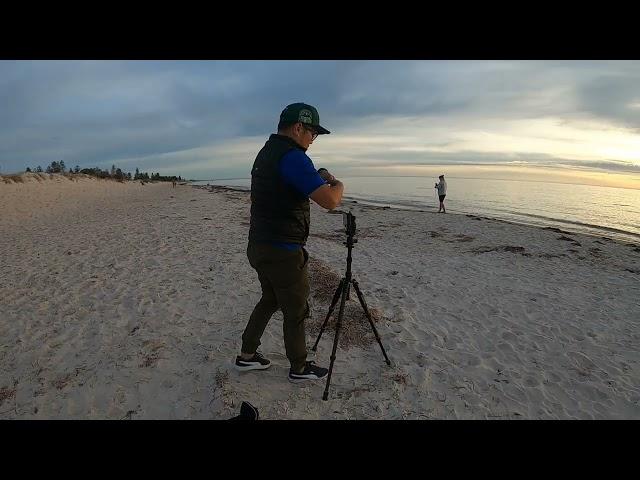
{"x": 127, "y": 301}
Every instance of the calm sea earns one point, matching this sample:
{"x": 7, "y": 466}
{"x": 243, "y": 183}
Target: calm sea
{"x": 603, "y": 211}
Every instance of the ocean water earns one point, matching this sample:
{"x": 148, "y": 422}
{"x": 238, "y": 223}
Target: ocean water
{"x": 602, "y": 211}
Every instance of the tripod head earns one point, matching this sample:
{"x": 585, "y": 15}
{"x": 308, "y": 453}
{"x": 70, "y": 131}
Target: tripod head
{"x": 349, "y": 221}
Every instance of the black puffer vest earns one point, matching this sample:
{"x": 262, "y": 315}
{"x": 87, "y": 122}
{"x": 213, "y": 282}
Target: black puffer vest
{"x": 279, "y": 213}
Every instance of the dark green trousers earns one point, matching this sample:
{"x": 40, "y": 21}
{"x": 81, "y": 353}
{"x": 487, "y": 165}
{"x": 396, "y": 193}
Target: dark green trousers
{"x": 284, "y": 279}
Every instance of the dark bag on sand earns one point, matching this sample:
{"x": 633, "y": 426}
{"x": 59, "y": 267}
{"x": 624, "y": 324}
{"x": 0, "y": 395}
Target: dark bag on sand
{"x": 247, "y": 412}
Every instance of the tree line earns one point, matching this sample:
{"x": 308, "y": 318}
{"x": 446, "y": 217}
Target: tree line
{"x": 114, "y": 173}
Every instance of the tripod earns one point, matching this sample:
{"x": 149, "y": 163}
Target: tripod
{"x": 342, "y": 292}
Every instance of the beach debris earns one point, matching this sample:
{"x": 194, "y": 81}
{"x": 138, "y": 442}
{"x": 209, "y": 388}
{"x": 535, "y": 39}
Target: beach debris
{"x": 331, "y": 237}
{"x": 6, "y": 393}
{"x": 62, "y": 382}
{"x": 148, "y": 362}
{"x": 507, "y": 248}
{"x": 323, "y": 279}
{"x": 557, "y": 230}
{"x": 400, "y": 378}
{"x": 152, "y": 354}
{"x": 569, "y": 239}
{"x": 553, "y": 255}
{"x": 221, "y": 378}
{"x": 464, "y": 238}
{"x": 355, "y": 329}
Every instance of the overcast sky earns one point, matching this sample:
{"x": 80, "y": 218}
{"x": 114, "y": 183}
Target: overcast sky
{"x": 208, "y": 119}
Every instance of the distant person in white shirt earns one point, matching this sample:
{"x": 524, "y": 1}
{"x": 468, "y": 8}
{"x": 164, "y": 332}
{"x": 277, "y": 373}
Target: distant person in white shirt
{"x": 442, "y": 192}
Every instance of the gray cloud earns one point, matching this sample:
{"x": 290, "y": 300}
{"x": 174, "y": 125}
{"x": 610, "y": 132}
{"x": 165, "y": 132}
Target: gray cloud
{"x": 101, "y": 112}
{"x": 610, "y": 96}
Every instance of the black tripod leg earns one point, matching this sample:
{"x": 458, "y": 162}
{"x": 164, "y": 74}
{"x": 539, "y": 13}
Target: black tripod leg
{"x": 336, "y": 296}
{"x": 366, "y": 312}
{"x": 345, "y": 293}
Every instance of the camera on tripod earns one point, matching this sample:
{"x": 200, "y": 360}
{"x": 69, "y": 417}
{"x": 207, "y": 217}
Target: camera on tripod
{"x": 349, "y": 221}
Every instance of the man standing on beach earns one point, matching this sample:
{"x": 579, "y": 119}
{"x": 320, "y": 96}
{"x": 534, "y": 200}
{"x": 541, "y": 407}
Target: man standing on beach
{"x": 283, "y": 178}
{"x": 442, "y": 192}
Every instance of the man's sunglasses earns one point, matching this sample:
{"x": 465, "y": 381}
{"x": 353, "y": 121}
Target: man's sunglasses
{"x": 314, "y": 134}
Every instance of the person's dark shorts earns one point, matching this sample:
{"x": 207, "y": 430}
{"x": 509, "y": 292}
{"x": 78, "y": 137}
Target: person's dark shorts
{"x": 441, "y": 197}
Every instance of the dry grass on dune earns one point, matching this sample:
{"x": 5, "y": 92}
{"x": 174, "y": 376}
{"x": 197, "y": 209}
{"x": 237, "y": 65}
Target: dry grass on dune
{"x": 355, "y": 329}
{"x": 40, "y": 177}
{"x": 12, "y": 178}
{"x": 37, "y": 176}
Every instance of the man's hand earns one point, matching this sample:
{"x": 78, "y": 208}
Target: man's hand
{"x": 327, "y": 177}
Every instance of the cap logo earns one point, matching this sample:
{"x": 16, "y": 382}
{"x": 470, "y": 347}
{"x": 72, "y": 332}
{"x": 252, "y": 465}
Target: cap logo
{"x": 305, "y": 116}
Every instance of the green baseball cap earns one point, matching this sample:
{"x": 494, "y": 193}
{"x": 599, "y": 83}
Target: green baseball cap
{"x": 301, "y": 112}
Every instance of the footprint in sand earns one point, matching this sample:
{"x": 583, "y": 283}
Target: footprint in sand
{"x": 554, "y": 377}
{"x": 509, "y": 337}
{"x": 581, "y": 361}
{"x": 505, "y": 347}
{"x": 473, "y": 361}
